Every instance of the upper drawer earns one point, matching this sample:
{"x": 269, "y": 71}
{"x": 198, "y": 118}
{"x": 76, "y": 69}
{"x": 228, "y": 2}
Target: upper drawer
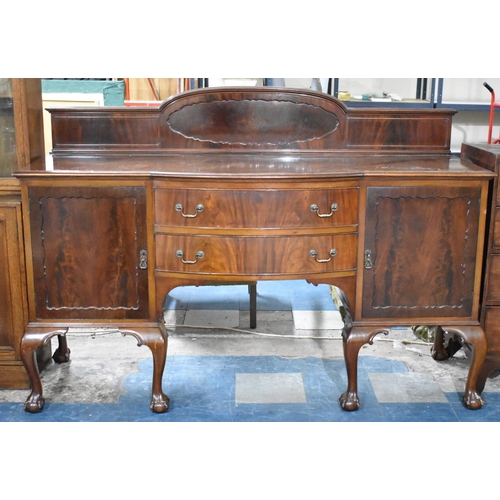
{"x": 261, "y": 208}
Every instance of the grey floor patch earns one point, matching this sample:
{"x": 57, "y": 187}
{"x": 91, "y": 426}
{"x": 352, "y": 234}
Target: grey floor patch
{"x": 317, "y": 320}
{"x": 213, "y": 318}
{"x": 406, "y": 388}
{"x": 264, "y": 388}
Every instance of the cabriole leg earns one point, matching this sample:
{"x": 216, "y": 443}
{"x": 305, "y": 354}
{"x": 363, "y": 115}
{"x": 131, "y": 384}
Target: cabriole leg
{"x": 353, "y": 340}
{"x": 157, "y": 340}
{"x": 476, "y": 338}
{"x": 30, "y": 342}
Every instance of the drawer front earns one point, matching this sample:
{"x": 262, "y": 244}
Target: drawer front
{"x": 254, "y": 255}
{"x": 492, "y": 329}
{"x": 494, "y": 278}
{"x": 262, "y": 209}
{"x": 496, "y": 228}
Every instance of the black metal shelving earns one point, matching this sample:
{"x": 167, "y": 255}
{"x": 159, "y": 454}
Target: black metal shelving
{"x": 425, "y": 96}
{"x": 428, "y": 94}
{"x": 458, "y": 106}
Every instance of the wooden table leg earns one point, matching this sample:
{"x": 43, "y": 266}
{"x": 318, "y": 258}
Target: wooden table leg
{"x": 154, "y": 338}
{"x": 439, "y": 350}
{"x": 476, "y": 338}
{"x": 157, "y": 340}
{"x": 29, "y": 343}
{"x": 62, "y": 353}
{"x": 252, "y": 290}
{"x": 353, "y": 340}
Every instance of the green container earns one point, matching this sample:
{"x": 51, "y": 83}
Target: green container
{"x": 113, "y": 91}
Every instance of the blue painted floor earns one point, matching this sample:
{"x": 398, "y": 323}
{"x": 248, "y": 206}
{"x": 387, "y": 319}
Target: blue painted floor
{"x": 233, "y": 387}
{"x": 202, "y": 389}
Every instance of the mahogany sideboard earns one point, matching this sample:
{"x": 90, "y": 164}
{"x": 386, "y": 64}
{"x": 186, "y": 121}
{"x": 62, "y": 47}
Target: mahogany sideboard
{"x": 248, "y": 184}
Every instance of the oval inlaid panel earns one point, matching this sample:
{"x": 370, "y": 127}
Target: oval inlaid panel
{"x": 253, "y": 122}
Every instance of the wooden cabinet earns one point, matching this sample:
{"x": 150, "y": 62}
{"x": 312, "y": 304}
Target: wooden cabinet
{"x": 246, "y": 184}
{"x": 420, "y": 251}
{"x": 89, "y": 249}
{"x": 21, "y": 148}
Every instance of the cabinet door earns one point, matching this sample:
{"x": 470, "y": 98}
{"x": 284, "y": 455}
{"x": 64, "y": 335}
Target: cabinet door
{"x": 420, "y": 252}
{"x": 88, "y": 248}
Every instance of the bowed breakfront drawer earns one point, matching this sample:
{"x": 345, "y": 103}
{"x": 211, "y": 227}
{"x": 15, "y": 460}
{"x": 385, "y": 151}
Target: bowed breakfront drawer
{"x": 256, "y": 230}
{"x": 256, "y": 255}
{"x": 259, "y": 207}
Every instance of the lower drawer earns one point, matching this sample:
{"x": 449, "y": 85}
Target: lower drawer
{"x": 493, "y": 292}
{"x": 496, "y": 228}
{"x": 492, "y": 329}
{"x": 255, "y": 255}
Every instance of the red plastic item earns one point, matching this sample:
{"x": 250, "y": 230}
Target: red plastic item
{"x": 492, "y": 114}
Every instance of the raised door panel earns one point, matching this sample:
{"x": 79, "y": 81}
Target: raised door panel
{"x": 420, "y": 252}
{"x": 87, "y": 246}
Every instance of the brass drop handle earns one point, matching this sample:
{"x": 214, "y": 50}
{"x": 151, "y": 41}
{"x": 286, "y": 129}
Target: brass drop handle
{"x": 368, "y": 259}
{"x": 314, "y": 254}
{"x": 199, "y": 208}
{"x": 199, "y": 255}
{"x": 143, "y": 262}
{"x": 333, "y": 208}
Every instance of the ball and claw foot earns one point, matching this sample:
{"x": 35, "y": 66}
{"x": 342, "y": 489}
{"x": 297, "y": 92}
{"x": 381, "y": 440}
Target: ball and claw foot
{"x": 160, "y": 404}
{"x": 61, "y": 356}
{"x": 473, "y": 401}
{"x": 34, "y": 403}
{"x": 349, "y": 401}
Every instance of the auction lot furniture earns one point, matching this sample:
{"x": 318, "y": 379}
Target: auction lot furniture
{"x": 248, "y": 184}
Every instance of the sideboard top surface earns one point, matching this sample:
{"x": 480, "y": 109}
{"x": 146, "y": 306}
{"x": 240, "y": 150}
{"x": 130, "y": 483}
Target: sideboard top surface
{"x": 262, "y": 167}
